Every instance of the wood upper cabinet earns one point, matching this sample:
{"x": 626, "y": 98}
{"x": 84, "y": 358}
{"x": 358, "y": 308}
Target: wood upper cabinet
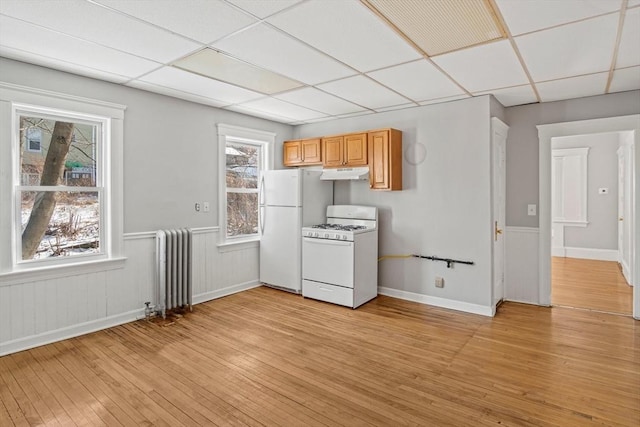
{"x": 302, "y": 152}
{"x": 385, "y": 159}
{"x": 345, "y": 150}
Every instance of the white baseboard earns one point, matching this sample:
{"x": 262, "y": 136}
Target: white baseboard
{"x": 234, "y": 289}
{"x": 586, "y": 253}
{"x": 69, "y": 332}
{"x": 438, "y": 302}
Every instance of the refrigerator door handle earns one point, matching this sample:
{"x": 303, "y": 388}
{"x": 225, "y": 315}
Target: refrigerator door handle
{"x": 261, "y": 194}
{"x": 262, "y": 213}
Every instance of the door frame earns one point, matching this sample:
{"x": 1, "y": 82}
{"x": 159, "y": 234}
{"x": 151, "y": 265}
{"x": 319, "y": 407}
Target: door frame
{"x": 582, "y": 127}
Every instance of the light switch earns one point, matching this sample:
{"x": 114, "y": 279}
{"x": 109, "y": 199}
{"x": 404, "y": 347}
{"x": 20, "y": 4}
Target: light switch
{"x": 206, "y": 207}
{"x": 531, "y": 210}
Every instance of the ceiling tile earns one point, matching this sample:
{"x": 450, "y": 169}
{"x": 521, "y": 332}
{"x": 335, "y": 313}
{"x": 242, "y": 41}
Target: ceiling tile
{"x": 150, "y": 87}
{"x": 485, "y": 67}
{"x": 185, "y": 81}
{"x": 282, "y": 108}
{"x": 581, "y": 48}
{"x": 517, "y": 95}
{"x": 629, "y": 50}
{"x": 574, "y": 87}
{"x": 57, "y": 64}
{"x": 396, "y": 107}
{"x": 633, "y": 3}
{"x": 262, "y": 114}
{"x": 441, "y": 100}
{"x": 363, "y": 91}
{"x": 348, "y": 31}
{"x": 320, "y": 101}
{"x": 625, "y": 79}
{"x": 203, "y": 20}
{"x": 262, "y": 9}
{"x": 88, "y": 21}
{"x": 419, "y": 80}
{"x": 42, "y": 42}
{"x": 526, "y": 16}
{"x": 292, "y": 58}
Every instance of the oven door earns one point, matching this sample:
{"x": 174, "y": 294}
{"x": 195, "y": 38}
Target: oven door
{"x": 328, "y": 261}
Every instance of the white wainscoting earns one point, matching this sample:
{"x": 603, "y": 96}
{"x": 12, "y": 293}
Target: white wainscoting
{"x": 40, "y": 312}
{"x": 521, "y": 264}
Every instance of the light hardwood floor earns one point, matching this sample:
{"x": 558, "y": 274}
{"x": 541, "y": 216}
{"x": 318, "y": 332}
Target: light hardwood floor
{"x": 265, "y": 357}
{"x": 590, "y": 284}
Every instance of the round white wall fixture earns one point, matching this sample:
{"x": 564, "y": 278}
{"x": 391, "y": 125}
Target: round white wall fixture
{"x": 415, "y": 153}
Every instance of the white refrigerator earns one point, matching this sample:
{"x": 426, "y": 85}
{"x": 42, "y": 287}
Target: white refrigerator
{"x": 289, "y": 200}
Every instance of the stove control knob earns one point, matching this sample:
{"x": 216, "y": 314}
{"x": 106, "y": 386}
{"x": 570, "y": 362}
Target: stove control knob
{"x": 344, "y": 237}
{"x": 315, "y": 234}
{"x": 326, "y": 235}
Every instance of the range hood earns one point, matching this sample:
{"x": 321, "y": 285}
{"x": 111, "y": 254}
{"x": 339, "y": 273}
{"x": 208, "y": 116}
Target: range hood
{"x": 337, "y": 174}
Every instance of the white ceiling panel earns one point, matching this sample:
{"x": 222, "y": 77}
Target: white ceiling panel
{"x": 195, "y": 84}
{"x": 269, "y": 115}
{"x": 625, "y": 79}
{"x": 282, "y": 108}
{"x": 529, "y": 15}
{"x": 201, "y": 20}
{"x": 419, "y": 80}
{"x": 163, "y": 90}
{"x": 485, "y": 67}
{"x": 441, "y": 100}
{"x": 58, "y": 64}
{"x": 574, "y": 87}
{"x": 262, "y": 9}
{"x": 47, "y": 43}
{"x": 517, "y": 95}
{"x": 395, "y": 107}
{"x": 348, "y": 31}
{"x": 363, "y": 91}
{"x": 292, "y": 58}
{"x": 582, "y": 48}
{"x": 320, "y": 101}
{"x": 633, "y": 3}
{"x": 88, "y": 21}
{"x": 629, "y": 51}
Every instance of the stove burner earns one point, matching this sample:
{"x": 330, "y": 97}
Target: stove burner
{"x": 339, "y": 227}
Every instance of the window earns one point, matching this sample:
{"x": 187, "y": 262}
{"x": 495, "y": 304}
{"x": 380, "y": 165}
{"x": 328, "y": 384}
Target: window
{"x": 569, "y": 186}
{"x": 244, "y": 154}
{"x": 62, "y": 203}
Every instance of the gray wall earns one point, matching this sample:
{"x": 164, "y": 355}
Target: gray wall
{"x": 170, "y": 147}
{"x": 522, "y": 142}
{"x": 602, "y": 209}
{"x": 444, "y": 208}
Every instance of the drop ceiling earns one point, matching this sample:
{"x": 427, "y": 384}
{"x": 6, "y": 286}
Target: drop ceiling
{"x": 303, "y": 61}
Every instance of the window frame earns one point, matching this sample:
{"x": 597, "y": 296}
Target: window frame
{"x": 240, "y": 135}
{"x": 16, "y": 100}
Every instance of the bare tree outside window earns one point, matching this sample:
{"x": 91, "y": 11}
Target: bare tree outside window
{"x": 242, "y": 171}
{"x": 58, "y": 222}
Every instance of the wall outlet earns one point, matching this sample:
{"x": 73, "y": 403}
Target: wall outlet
{"x": 439, "y": 282}
{"x": 531, "y": 210}
{"x": 206, "y": 206}
{"x": 197, "y": 207}
{"x": 603, "y": 191}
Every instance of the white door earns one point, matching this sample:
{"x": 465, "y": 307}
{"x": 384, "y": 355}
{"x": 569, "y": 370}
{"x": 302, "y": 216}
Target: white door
{"x": 280, "y": 188}
{"x": 280, "y": 248}
{"x": 621, "y": 212}
{"x": 498, "y": 148}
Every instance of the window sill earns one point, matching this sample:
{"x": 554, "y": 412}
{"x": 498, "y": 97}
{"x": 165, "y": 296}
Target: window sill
{"x": 59, "y": 271}
{"x": 239, "y": 245}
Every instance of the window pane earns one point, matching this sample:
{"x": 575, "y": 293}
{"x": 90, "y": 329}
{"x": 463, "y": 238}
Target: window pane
{"x": 242, "y": 165}
{"x": 72, "y": 163}
{"x": 242, "y": 213}
{"x": 60, "y": 223}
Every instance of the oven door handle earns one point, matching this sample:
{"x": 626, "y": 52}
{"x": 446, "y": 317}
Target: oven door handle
{"x": 328, "y": 242}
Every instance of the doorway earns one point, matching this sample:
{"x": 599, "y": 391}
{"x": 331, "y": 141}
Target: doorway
{"x": 546, "y": 133}
{"x": 590, "y": 237}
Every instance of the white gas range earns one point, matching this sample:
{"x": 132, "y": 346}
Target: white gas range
{"x": 340, "y": 257}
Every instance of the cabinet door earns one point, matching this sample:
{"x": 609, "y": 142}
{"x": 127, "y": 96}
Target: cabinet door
{"x": 332, "y": 150}
{"x": 311, "y": 153}
{"x": 292, "y": 153}
{"x": 379, "y": 164}
{"x": 355, "y": 147}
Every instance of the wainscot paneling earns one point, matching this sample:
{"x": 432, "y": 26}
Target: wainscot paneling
{"x": 521, "y": 264}
{"x": 51, "y": 309}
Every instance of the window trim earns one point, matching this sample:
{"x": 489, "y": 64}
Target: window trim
{"x": 15, "y": 98}
{"x": 231, "y": 133}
